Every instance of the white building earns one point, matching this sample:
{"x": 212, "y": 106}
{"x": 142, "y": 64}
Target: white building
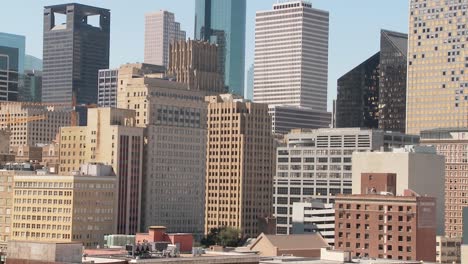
{"x": 160, "y": 29}
{"x": 448, "y": 249}
{"x": 107, "y": 87}
{"x": 417, "y": 168}
{"x": 317, "y": 164}
{"x": 291, "y": 56}
{"x": 314, "y": 217}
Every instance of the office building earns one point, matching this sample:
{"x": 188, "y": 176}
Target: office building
{"x": 112, "y": 138}
{"x": 175, "y": 153}
{"x": 51, "y": 156}
{"x": 6, "y": 206}
{"x": 448, "y": 249}
{"x": 74, "y": 52}
{"x": 60, "y": 208}
{"x": 107, "y": 87}
{"x": 291, "y": 56}
{"x": 31, "y": 123}
{"x": 314, "y": 217}
{"x": 195, "y": 63}
{"x": 317, "y": 164}
{"x": 437, "y": 66}
{"x": 5, "y": 139}
{"x": 249, "y": 87}
{"x": 386, "y": 226}
{"x": 240, "y": 165}
{"x": 223, "y": 23}
{"x": 11, "y": 65}
{"x": 373, "y": 94}
{"x": 32, "y": 63}
{"x": 452, "y": 143}
{"x": 161, "y": 30}
{"x": 286, "y": 118}
{"x": 419, "y": 168}
{"x": 32, "y": 86}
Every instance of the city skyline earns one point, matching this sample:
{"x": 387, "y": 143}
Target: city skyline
{"x": 350, "y": 43}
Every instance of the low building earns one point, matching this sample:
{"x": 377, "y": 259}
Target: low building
{"x": 51, "y": 156}
{"x": 20, "y": 252}
{"x": 158, "y": 234}
{"x": 59, "y": 208}
{"x": 25, "y": 153}
{"x": 305, "y": 245}
{"x": 448, "y": 249}
{"x": 314, "y": 217}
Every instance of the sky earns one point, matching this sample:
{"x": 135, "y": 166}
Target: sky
{"x": 354, "y": 27}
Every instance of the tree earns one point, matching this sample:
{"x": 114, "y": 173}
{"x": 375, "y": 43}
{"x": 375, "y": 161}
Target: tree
{"x": 225, "y": 236}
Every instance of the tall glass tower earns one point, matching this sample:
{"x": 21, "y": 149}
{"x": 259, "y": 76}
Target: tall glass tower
{"x": 223, "y": 22}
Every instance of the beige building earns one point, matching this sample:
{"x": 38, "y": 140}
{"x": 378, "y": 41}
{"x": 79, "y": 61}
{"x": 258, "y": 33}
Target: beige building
{"x": 175, "y": 121}
{"x": 27, "y": 153}
{"x": 4, "y": 142}
{"x": 417, "y": 168}
{"x": 448, "y": 249}
{"x": 6, "y": 206}
{"x": 437, "y": 66}
{"x": 65, "y": 208}
{"x": 33, "y": 123}
{"x": 196, "y": 63}
{"x": 112, "y": 138}
{"x": 452, "y": 143}
{"x": 51, "y": 156}
{"x": 240, "y": 165}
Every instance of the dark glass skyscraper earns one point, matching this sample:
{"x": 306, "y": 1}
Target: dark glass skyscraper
{"x": 8, "y": 73}
{"x": 74, "y": 52}
{"x": 223, "y": 22}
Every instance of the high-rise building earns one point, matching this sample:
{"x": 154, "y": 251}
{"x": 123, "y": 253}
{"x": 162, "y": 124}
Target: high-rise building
{"x": 112, "y": 138}
{"x": 317, "y": 164}
{"x": 160, "y": 30}
{"x": 65, "y": 208}
{"x": 291, "y": 56}
{"x": 175, "y": 153}
{"x": 74, "y": 52}
{"x": 32, "y": 86}
{"x": 11, "y": 65}
{"x": 373, "y": 94}
{"x": 107, "y": 87}
{"x": 286, "y": 118}
{"x": 222, "y": 22}
{"x": 32, "y": 63}
{"x": 240, "y": 165}
{"x": 452, "y": 143}
{"x": 437, "y": 77}
{"x": 195, "y": 63}
{"x": 419, "y": 168}
{"x": 249, "y": 87}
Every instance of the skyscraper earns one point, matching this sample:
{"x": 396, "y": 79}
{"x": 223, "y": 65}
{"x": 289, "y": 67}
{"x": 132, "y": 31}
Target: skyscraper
{"x": 249, "y": 89}
{"x": 160, "y": 30}
{"x": 291, "y": 56}
{"x": 11, "y": 65}
{"x": 74, "y": 52}
{"x": 437, "y": 77}
{"x": 223, "y": 22}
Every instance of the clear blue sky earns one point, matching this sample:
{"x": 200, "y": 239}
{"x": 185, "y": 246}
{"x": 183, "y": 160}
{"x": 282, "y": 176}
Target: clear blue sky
{"x": 354, "y": 27}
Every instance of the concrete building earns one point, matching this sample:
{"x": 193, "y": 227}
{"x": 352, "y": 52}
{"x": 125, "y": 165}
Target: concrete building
{"x": 112, "y": 138}
{"x": 452, "y": 143}
{"x": 107, "y": 87}
{"x": 437, "y": 66}
{"x": 31, "y": 123}
{"x": 27, "y": 153}
{"x": 448, "y": 249}
{"x": 51, "y": 156}
{"x": 317, "y": 164}
{"x": 195, "y": 63}
{"x": 160, "y": 30}
{"x": 386, "y": 226}
{"x": 223, "y": 23}
{"x": 240, "y": 165}
{"x": 420, "y": 169}
{"x": 74, "y": 52}
{"x": 291, "y": 56}
{"x": 5, "y": 142}
{"x": 373, "y": 94}
{"x": 314, "y": 217}
{"x": 158, "y": 234}
{"x": 6, "y": 206}
{"x": 43, "y": 252}
{"x": 60, "y": 208}
{"x": 11, "y": 65}
{"x": 175, "y": 121}
{"x": 286, "y": 118}
{"x": 308, "y": 245}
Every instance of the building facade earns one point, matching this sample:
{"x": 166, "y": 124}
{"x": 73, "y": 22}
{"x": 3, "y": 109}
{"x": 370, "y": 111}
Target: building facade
{"x": 452, "y": 143}
{"x": 249, "y": 86}
{"x": 286, "y": 118}
{"x": 112, "y": 138}
{"x": 223, "y": 23}
{"x": 437, "y": 66}
{"x": 291, "y": 56}
{"x": 107, "y": 87}
{"x": 6, "y": 206}
{"x": 314, "y": 217}
{"x": 59, "y": 208}
{"x": 32, "y": 63}
{"x": 32, "y": 86}
{"x": 160, "y": 30}
{"x": 11, "y": 65}
{"x": 448, "y": 249}
{"x": 73, "y": 53}
{"x": 195, "y": 63}
{"x": 317, "y": 164}
{"x": 240, "y": 165}
{"x": 175, "y": 153}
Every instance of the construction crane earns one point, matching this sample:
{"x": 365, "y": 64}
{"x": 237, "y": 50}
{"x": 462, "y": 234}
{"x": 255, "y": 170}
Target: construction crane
{"x": 20, "y": 120}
